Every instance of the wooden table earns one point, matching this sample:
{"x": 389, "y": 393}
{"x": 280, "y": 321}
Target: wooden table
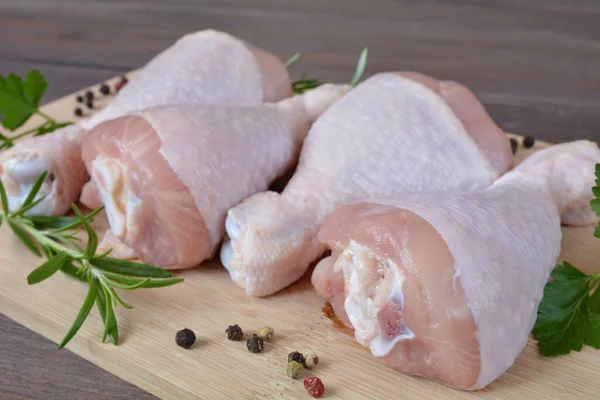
{"x": 535, "y": 64}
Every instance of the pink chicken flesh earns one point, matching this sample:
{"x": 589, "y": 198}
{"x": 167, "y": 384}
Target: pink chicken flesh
{"x": 392, "y": 134}
{"x": 168, "y": 175}
{"x": 205, "y": 67}
{"x": 447, "y": 285}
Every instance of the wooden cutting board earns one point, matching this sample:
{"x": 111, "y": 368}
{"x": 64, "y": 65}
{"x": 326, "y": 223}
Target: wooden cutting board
{"x": 216, "y": 368}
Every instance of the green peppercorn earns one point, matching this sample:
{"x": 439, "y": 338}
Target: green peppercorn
{"x": 234, "y": 332}
{"x": 255, "y": 344}
{"x": 296, "y": 356}
{"x": 295, "y": 370}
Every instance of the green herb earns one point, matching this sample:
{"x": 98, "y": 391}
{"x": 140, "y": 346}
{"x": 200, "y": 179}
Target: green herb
{"x": 360, "y": 67}
{"x": 56, "y": 238}
{"x": 595, "y": 203}
{"x": 304, "y": 84}
{"x": 291, "y": 60}
{"x": 569, "y": 314}
{"x": 19, "y": 101}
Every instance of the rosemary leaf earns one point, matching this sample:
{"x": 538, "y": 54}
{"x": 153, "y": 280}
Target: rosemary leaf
{"x": 76, "y": 222}
{"x": 35, "y": 189}
{"x": 107, "y": 313}
{"x": 92, "y": 244}
{"x": 43, "y": 222}
{"x": 119, "y": 299}
{"x": 154, "y": 283}
{"x": 28, "y": 207}
{"x": 86, "y": 307}
{"x": 132, "y": 286}
{"x": 24, "y": 236}
{"x": 291, "y": 60}
{"x": 129, "y": 267}
{"x": 69, "y": 269}
{"x": 47, "y": 269}
{"x": 4, "y": 198}
{"x": 360, "y": 67}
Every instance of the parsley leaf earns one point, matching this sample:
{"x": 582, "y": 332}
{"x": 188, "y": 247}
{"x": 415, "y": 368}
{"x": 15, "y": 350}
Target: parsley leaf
{"x": 569, "y": 314}
{"x": 35, "y": 86}
{"x": 15, "y": 108}
{"x": 19, "y": 101}
{"x": 563, "y": 315}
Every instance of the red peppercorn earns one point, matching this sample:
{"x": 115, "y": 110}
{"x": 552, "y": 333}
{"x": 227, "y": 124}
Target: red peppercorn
{"x": 314, "y": 387}
{"x": 121, "y": 83}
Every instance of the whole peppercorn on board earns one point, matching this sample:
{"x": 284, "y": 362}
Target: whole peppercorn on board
{"x": 217, "y": 368}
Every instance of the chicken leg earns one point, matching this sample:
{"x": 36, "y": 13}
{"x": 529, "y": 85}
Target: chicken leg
{"x": 447, "y": 285}
{"x": 392, "y": 134}
{"x": 205, "y": 67}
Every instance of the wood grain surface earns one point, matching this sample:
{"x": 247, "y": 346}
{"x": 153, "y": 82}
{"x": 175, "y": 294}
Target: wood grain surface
{"x": 535, "y": 64}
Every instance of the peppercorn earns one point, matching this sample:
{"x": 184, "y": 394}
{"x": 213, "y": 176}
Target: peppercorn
{"x": 234, "y": 332}
{"x": 514, "y": 145}
{"x": 79, "y": 99}
{"x": 314, "y": 386}
{"x": 89, "y": 104}
{"x": 295, "y": 370}
{"x": 185, "y": 338}
{"x": 104, "y": 89}
{"x": 89, "y": 95}
{"x": 528, "y": 142}
{"x": 255, "y": 344}
{"x": 78, "y": 111}
{"x": 266, "y": 333}
{"x": 310, "y": 360}
{"x": 121, "y": 83}
{"x": 296, "y": 356}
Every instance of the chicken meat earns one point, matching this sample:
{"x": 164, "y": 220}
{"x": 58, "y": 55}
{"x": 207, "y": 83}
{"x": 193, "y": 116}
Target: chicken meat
{"x": 447, "y": 285}
{"x": 394, "y": 133}
{"x": 168, "y": 175}
{"x": 205, "y": 67}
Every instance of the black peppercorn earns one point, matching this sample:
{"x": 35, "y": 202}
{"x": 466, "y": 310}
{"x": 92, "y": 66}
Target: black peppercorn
{"x": 78, "y": 111}
{"x": 234, "y": 332}
{"x": 185, "y": 338}
{"x": 89, "y": 95}
{"x": 255, "y": 344}
{"x": 296, "y": 356}
{"x": 104, "y": 89}
{"x": 514, "y": 145}
{"x": 528, "y": 142}
{"x": 89, "y": 104}
{"x": 79, "y": 99}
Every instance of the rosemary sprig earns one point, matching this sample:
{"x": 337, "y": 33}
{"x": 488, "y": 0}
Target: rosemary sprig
{"x": 56, "y": 238}
{"x": 303, "y": 84}
{"x": 291, "y": 60}
{"x": 19, "y": 101}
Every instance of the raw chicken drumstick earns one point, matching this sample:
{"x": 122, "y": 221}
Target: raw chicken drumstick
{"x": 447, "y": 286}
{"x": 206, "y": 67}
{"x": 168, "y": 175}
{"x": 394, "y": 133}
